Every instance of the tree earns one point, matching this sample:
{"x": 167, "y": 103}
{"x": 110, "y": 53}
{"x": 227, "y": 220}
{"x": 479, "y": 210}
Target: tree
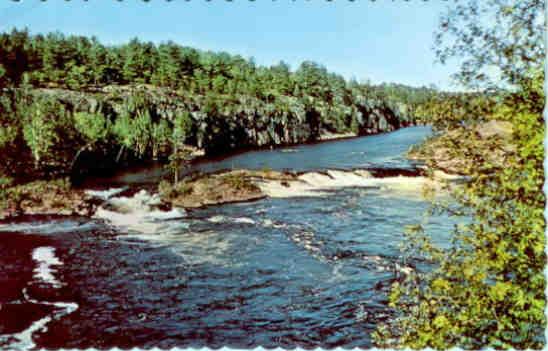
{"x": 160, "y": 137}
{"x": 77, "y": 77}
{"x": 93, "y": 127}
{"x": 487, "y": 290}
{"x": 169, "y": 70}
{"x": 179, "y": 156}
{"x": 234, "y": 93}
{"x": 124, "y": 133}
{"x": 133, "y": 62}
{"x": 97, "y": 61}
{"x": 497, "y": 41}
{"x": 39, "y": 129}
{"x": 142, "y": 128}
{"x": 14, "y": 49}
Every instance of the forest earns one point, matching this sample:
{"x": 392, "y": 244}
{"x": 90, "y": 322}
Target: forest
{"x": 70, "y": 101}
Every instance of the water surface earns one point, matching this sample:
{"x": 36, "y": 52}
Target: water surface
{"x": 300, "y": 271}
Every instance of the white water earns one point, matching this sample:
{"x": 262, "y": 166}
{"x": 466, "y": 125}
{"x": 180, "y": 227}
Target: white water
{"x": 47, "y": 227}
{"x": 105, "y": 194}
{"x": 224, "y": 219}
{"x": 139, "y": 217}
{"x": 46, "y": 259}
{"x": 138, "y": 213}
{"x": 44, "y": 273}
{"x": 316, "y": 184}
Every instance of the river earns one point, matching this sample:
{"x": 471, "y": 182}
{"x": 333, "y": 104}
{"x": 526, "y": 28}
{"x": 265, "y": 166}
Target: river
{"x": 302, "y": 270}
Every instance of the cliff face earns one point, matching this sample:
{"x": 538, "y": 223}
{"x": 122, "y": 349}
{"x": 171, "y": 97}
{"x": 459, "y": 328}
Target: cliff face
{"x": 221, "y": 124}
{"x": 57, "y": 132}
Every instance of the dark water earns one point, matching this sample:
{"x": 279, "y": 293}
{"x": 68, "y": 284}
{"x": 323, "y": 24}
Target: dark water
{"x": 300, "y": 271}
{"x": 376, "y": 151}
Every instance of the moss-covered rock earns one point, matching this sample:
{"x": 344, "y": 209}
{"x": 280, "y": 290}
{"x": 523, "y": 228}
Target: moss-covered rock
{"x": 43, "y": 197}
{"x": 219, "y": 188}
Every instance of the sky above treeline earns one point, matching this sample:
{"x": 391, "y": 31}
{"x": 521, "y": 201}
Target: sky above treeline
{"x": 382, "y": 41}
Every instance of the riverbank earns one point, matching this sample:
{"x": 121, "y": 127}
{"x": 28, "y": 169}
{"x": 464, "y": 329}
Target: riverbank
{"x": 328, "y": 229}
{"x": 439, "y": 152}
{"x": 214, "y": 186}
{"x": 54, "y": 197}
{"x": 94, "y": 131}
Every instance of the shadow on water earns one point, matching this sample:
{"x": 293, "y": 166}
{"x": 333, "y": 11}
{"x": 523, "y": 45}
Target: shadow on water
{"x": 380, "y": 151}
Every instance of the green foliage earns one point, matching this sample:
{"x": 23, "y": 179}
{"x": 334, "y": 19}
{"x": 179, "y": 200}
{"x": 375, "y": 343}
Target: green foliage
{"x": 497, "y": 41}
{"x": 180, "y": 155}
{"x": 181, "y": 127}
{"x": 161, "y": 136}
{"x": 39, "y": 128}
{"x": 77, "y": 62}
{"x": 8, "y": 135}
{"x": 142, "y": 127}
{"x": 93, "y": 126}
{"x": 488, "y": 288}
{"x": 123, "y": 130}
{"x": 226, "y": 95}
{"x": 178, "y": 159}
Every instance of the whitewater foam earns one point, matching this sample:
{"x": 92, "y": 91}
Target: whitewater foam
{"x": 138, "y": 213}
{"x": 318, "y": 184}
{"x": 25, "y": 340}
{"x": 45, "y": 259}
{"x": 47, "y": 227}
{"x": 104, "y": 194}
{"x": 224, "y": 219}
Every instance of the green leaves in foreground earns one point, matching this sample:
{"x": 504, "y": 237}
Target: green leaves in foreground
{"x": 487, "y": 289}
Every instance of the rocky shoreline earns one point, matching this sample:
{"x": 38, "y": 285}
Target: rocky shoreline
{"x": 55, "y": 197}
{"x": 248, "y": 125}
{"x": 438, "y": 153}
{"x": 201, "y": 190}
{"x": 228, "y": 186}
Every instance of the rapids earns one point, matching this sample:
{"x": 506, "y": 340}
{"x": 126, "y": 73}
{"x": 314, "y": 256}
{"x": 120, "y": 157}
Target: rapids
{"x": 310, "y": 265}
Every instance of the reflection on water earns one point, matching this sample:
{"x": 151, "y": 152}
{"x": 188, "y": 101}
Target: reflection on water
{"x": 381, "y": 150}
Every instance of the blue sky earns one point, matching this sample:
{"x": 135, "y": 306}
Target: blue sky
{"x": 383, "y": 41}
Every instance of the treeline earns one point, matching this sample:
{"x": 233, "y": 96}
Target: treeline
{"x": 78, "y": 62}
{"x": 70, "y": 102}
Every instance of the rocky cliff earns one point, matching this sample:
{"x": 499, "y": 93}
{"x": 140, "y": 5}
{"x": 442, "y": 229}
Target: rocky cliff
{"x": 53, "y": 132}
{"x": 221, "y": 124}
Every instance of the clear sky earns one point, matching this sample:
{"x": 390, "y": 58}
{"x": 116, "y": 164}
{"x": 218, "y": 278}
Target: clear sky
{"x": 384, "y": 41}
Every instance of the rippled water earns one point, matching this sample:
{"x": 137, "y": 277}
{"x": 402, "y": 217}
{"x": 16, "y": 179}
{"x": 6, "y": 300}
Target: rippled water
{"x": 300, "y": 271}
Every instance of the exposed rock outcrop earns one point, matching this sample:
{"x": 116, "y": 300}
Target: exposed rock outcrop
{"x": 45, "y": 197}
{"x": 246, "y": 122}
{"x": 218, "y": 188}
{"x": 247, "y": 185}
{"x": 439, "y": 152}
